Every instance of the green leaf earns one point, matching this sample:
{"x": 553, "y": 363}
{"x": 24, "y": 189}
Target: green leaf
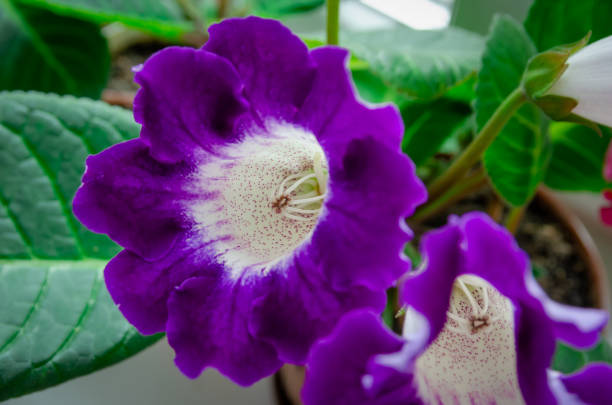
{"x": 46, "y": 52}
{"x": 420, "y": 64}
{"x": 568, "y": 360}
{"x": 516, "y": 160}
{"x": 160, "y": 17}
{"x": 578, "y": 156}
{"x": 57, "y": 320}
{"x": 555, "y": 22}
{"x": 279, "y": 8}
{"x": 429, "y": 125}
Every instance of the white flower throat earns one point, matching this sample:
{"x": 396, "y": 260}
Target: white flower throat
{"x": 469, "y": 307}
{"x": 473, "y": 359}
{"x": 262, "y": 197}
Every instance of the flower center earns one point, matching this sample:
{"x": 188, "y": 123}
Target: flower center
{"x": 259, "y": 199}
{"x": 473, "y": 359}
{"x": 468, "y": 311}
{"x": 300, "y": 196}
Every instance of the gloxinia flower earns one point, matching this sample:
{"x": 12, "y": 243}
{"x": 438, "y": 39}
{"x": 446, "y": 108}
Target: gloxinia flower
{"x": 261, "y": 202}
{"x": 478, "y": 330}
{"x": 588, "y": 80}
{"x": 606, "y": 212}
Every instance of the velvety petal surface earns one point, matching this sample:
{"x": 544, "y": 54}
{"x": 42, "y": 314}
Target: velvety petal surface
{"x": 590, "y": 386}
{"x": 361, "y": 232}
{"x": 189, "y": 101}
{"x": 337, "y": 365}
{"x": 302, "y": 306}
{"x": 133, "y": 198}
{"x": 141, "y": 288}
{"x": 273, "y": 64}
{"x": 373, "y": 186}
{"x": 334, "y": 114}
{"x": 208, "y": 326}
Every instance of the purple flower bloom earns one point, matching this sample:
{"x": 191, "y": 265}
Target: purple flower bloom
{"x": 261, "y": 202}
{"x": 491, "y": 342}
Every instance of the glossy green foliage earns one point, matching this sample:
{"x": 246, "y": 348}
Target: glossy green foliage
{"x": 517, "y": 159}
{"x": 161, "y": 17}
{"x": 277, "y": 8}
{"x": 556, "y": 22}
{"x": 57, "y": 320}
{"x": 43, "y": 51}
{"x": 578, "y": 156}
{"x": 567, "y": 359}
{"x": 419, "y": 64}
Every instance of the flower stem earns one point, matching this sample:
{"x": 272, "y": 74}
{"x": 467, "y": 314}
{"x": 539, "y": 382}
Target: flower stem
{"x": 483, "y": 139}
{"x": 333, "y": 21}
{"x": 513, "y": 220}
{"x": 454, "y": 194}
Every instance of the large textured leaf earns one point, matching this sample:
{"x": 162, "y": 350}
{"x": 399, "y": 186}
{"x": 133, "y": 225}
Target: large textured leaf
{"x": 578, "y": 155}
{"x": 567, "y": 359}
{"x": 556, "y": 22}
{"x": 42, "y": 51}
{"x": 516, "y": 160}
{"x": 57, "y": 320}
{"x": 161, "y": 17}
{"x": 420, "y": 64}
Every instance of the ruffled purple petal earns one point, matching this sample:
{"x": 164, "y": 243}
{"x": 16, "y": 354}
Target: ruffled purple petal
{"x": 132, "y": 198}
{"x": 302, "y": 307}
{"x": 590, "y": 386}
{"x": 361, "y": 233}
{"x": 273, "y": 64}
{"x": 373, "y": 186}
{"x": 141, "y": 288}
{"x": 334, "y": 114}
{"x": 208, "y": 326}
{"x": 337, "y": 365}
{"x": 189, "y": 101}
{"x": 475, "y": 245}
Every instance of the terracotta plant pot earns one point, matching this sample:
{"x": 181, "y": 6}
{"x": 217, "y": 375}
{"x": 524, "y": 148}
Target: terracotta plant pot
{"x": 289, "y": 380}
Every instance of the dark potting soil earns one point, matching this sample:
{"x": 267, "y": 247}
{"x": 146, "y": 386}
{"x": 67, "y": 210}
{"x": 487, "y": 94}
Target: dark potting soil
{"x": 554, "y": 255}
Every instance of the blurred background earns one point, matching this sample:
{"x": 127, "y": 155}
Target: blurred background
{"x": 150, "y": 377}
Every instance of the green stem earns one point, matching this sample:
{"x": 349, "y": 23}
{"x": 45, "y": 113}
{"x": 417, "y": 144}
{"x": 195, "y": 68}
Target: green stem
{"x": 513, "y": 220}
{"x": 333, "y": 21}
{"x": 483, "y": 139}
{"x": 454, "y": 194}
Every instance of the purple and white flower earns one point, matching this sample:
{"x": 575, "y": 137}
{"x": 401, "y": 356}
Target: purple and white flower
{"x": 261, "y": 202}
{"x": 478, "y": 330}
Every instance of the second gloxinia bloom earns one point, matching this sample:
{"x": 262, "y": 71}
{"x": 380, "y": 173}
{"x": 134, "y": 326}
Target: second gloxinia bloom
{"x": 478, "y": 330}
{"x": 261, "y": 202}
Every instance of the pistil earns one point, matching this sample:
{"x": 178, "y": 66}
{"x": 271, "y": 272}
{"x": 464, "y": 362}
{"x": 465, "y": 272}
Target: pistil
{"x": 300, "y": 196}
{"x": 476, "y": 293}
